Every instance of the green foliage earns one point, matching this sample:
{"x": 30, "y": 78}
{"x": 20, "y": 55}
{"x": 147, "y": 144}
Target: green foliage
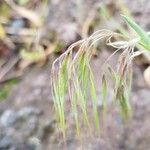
{"x": 4, "y": 9}
{"x": 59, "y": 47}
{"x": 2, "y": 32}
{"x": 144, "y": 38}
{"x": 32, "y": 56}
{"x": 22, "y": 2}
{"x": 5, "y": 89}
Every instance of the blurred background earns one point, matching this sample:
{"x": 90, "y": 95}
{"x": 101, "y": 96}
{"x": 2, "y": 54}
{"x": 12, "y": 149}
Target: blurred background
{"x": 35, "y": 32}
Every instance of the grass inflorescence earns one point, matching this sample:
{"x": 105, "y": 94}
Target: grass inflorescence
{"x": 72, "y": 75}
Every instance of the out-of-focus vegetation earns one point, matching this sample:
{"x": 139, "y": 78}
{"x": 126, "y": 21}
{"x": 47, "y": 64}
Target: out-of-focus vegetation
{"x": 6, "y": 88}
{"x": 20, "y": 23}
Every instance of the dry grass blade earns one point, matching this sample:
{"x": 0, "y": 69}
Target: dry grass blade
{"x": 4, "y": 70}
{"x": 30, "y": 15}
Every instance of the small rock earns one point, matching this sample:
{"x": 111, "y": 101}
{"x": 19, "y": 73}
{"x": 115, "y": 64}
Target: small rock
{"x": 23, "y": 146}
{"x": 8, "y": 118}
{"x": 17, "y": 23}
{"x": 29, "y": 126}
{"x": 46, "y": 130}
{"x": 5, "y": 142}
{"x": 36, "y": 142}
{"x": 147, "y": 76}
{"x": 28, "y": 111}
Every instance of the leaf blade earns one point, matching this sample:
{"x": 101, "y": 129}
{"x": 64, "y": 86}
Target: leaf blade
{"x": 145, "y": 40}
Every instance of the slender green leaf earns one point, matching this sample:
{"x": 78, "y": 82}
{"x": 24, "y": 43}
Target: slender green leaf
{"x": 145, "y": 40}
{"x": 94, "y": 100}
